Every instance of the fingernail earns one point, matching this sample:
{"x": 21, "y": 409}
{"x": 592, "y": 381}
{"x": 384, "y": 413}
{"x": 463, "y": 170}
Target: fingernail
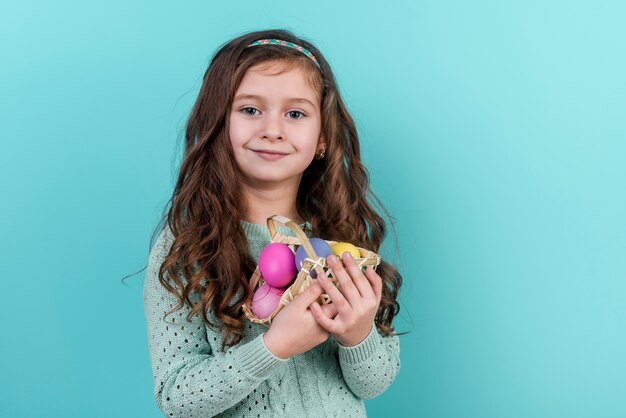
{"x": 347, "y": 256}
{"x": 332, "y": 259}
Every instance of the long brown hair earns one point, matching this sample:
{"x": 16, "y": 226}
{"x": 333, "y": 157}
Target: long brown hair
{"x": 208, "y": 260}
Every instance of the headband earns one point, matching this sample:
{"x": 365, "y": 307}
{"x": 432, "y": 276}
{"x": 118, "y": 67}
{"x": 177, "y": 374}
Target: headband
{"x": 288, "y": 44}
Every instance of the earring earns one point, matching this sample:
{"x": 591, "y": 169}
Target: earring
{"x": 320, "y": 155}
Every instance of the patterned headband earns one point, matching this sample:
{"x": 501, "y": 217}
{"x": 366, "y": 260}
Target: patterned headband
{"x": 288, "y": 44}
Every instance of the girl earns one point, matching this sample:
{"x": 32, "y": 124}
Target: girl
{"x": 268, "y": 134}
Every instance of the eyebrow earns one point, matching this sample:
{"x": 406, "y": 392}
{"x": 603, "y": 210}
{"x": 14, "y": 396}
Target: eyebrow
{"x": 290, "y": 99}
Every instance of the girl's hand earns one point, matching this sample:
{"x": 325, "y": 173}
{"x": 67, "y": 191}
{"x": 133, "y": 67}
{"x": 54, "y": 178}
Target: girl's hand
{"x": 294, "y": 330}
{"x": 356, "y": 303}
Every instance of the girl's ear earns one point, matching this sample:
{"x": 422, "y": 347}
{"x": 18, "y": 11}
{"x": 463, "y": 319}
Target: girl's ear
{"x": 321, "y": 149}
{"x": 321, "y": 145}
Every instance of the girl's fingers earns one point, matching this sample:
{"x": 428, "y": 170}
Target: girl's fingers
{"x": 329, "y": 310}
{"x": 360, "y": 281}
{"x": 348, "y": 289}
{"x": 335, "y": 295}
{"x": 309, "y": 295}
{"x": 319, "y": 313}
{"x": 375, "y": 280}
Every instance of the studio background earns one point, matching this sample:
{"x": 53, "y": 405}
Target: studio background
{"x": 494, "y": 132}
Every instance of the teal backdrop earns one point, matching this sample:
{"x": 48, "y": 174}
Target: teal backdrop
{"x": 494, "y": 132}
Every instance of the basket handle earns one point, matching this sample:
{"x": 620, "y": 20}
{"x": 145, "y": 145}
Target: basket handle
{"x": 304, "y": 240}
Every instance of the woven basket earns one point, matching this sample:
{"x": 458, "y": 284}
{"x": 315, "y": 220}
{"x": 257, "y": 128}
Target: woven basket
{"x": 303, "y": 278}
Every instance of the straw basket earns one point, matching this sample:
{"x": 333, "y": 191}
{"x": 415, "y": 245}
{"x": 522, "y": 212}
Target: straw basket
{"x": 303, "y": 278}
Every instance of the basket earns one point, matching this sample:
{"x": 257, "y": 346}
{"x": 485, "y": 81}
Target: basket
{"x": 303, "y": 278}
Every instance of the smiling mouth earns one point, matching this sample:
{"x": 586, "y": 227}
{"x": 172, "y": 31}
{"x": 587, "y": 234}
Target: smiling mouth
{"x": 269, "y": 155}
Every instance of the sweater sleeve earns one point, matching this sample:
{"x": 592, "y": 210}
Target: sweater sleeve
{"x": 191, "y": 376}
{"x": 371, "y": 366}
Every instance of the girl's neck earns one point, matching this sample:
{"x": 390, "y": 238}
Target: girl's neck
{"x": 261, "y": 203}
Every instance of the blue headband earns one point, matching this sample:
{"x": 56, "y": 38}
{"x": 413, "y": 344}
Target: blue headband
{"x": 288, "y": 44}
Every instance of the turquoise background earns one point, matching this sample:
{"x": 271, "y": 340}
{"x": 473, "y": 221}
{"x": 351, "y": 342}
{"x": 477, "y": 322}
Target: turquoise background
{"x": 495, "y": 133}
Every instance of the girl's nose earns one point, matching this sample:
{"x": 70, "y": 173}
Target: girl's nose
{"x": 272, "y": 127}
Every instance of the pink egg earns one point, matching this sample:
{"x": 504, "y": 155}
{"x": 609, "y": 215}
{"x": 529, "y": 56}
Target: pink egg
{"x": 277, "y": 264}
{"x": 265, "y": 300}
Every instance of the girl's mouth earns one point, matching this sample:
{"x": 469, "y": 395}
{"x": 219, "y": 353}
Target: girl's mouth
{"x": 269, "y": 155}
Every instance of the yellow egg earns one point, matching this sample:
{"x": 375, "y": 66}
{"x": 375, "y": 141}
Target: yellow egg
{"x": 341, "y": 247}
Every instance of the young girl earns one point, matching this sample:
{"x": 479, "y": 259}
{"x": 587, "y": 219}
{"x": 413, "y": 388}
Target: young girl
{"x": 269, "y": 134}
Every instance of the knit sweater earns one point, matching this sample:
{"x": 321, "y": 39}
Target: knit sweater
{"x": 193, "y": 378}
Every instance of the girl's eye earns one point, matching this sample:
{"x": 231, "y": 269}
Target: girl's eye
{"x": 296, "y": 114}
{"x": 249, "y": 111}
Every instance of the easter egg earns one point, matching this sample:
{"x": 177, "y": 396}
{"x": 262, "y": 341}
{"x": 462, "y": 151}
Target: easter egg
{"x": 342, "y": 247}
{"x": 321, "y": 248}
{"x": 265, "y": 300}
{"x": 276, "y": 264}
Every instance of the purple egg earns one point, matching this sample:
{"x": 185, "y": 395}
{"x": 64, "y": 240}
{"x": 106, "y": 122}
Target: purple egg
{"x": 321, "y": 248}
{"x": 276, "y": 264}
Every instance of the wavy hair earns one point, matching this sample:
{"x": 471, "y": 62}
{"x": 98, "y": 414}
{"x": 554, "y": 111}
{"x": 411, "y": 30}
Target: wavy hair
{"x": 208, "y": 264}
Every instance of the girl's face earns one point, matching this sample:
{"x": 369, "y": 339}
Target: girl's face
{"x": 275, "y": 125}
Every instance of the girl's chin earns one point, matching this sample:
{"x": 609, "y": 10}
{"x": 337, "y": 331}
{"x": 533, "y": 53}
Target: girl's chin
{"x": 267, "y": 180}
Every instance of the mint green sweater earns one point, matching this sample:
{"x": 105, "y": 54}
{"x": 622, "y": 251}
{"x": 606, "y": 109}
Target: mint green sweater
{"x": 192, "y": 378}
